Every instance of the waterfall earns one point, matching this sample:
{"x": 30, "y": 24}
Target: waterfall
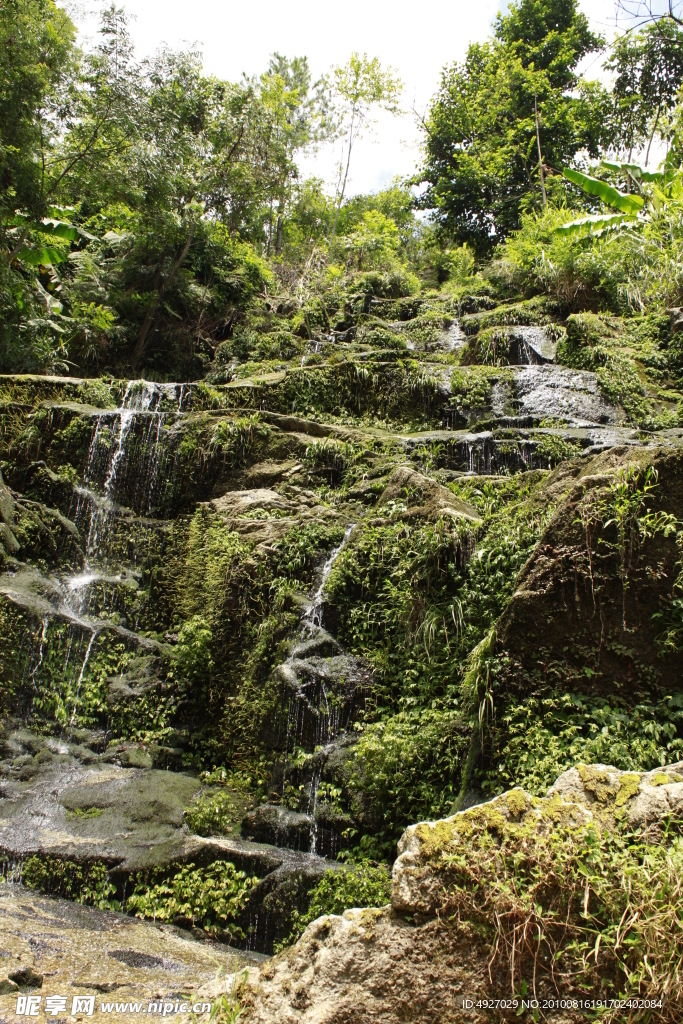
{"x": 80, "y": 677}
{"x": 144, "y": 401}
{"x": 313, "y": 614}
{"x": 312, "y": 804}
{"x": 124, "y": 463}
{"x": 302, "y": 671}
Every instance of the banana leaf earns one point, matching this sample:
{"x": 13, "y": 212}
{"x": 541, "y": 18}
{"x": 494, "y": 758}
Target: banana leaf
{"x": 628, "y": 204}
{"x": 597, "y": 222}
{"x": 635, "y": 170}
{"x": 41, "y": 256}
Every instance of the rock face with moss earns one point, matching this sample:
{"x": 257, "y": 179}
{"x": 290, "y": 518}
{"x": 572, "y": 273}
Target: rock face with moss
{"x": 504, "y": 901}
{"x": 258, "y": 622}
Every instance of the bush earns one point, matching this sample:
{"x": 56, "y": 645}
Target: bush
{"x": 85, "y": 883}
{"x": 193, "y": 650}
{"x": 211, "y": 898}
{"x": 363, "y": 885}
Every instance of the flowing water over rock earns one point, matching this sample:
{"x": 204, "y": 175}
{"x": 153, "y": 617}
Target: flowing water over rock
{"x": 324, "y": 689}
{"x": 119, "y": 960}
{"x": 234, "y": 492}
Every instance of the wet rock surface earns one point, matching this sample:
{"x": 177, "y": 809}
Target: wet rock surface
{"x": 135, "y": 527}
{"x": 84, "y": 951}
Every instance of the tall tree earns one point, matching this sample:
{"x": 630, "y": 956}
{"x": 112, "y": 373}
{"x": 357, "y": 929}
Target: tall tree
{"x": 295, "y": 115}
{"x": 361, "y": 86}
{"x": 38, "y": 59}
{"x": 514, "y": 96}
{"x": 648, "y": 69}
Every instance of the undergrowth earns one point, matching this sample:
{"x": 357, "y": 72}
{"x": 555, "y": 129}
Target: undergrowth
{"x": 359, "y": 885}
{"x": 574, "y": 911}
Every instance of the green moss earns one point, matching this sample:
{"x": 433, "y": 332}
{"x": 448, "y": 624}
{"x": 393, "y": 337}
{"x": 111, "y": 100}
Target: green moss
{"x": 598, "y": 783}
{"x": 628, "y": 787}
{"x": 361, "y": 885}
{"x": 516, "y": 802}
{"x": 80, "y": 813}
{"x": 528, "y": 312}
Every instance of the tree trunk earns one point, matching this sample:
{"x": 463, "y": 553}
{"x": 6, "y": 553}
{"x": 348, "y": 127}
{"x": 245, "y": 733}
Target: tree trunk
{"x": 141, "y": 343}
{"x": 346, "y": 174}
{"x": 654, "y": 129}
{"x": 540, "y": 158}
{"x": 278, "y": 236}
{"x": 270, "y": 228}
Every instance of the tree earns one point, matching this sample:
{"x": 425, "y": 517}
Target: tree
{"x": 296, "y": 119}
{"x": 360, "y": 86}
{"x": 38, "y": 59}
{"x": 515, "y": 95}
{"x": 648, "y": 68}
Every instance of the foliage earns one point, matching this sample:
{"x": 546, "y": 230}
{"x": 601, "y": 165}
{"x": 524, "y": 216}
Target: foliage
{"x": 594, "y": 907}
{"x": 211, "y": 898}
{"x": 364, "y": 884}
{"x": 359, "y": 86}
{"x": 86, "y": 883}
{"x": 37, "y": 63}
{"x": 193, "y": 650}
{"x": 648, "y": 70}
{"x": 548, "y": 733}
{"x": 405, "y": 603}
{"x": 610, "y": 196}
{"x": 481, "y": 159}
{"x": 217, "y": 810}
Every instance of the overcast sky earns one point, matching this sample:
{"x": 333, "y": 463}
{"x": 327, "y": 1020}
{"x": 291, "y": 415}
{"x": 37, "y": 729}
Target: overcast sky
{"x": 416, "y": 38}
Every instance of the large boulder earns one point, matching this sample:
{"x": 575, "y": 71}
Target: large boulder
{"x": 441, "y": 942}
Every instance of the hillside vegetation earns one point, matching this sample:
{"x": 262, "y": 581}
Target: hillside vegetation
{"x": 324, "y": 515}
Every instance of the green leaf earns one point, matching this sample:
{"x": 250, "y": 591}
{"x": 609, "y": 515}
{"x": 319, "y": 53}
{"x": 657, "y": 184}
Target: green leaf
{"x": 51, "y": 226}
{"x": 635, "y": 170}
{"x": 59, "y": 228}
{"x": 611, "y": 196}
{"x": 597, "y": 222}
{"x": 42, "y": 256}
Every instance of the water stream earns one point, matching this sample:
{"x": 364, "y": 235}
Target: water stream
{"x": 321, "y": 686}
{"x": 124, "y": 466}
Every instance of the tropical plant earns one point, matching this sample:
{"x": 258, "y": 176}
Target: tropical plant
{"x": 509, "y": 110}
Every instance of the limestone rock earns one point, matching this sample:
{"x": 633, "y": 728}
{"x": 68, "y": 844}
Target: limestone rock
{"x": 26, "y": 977}
{"x": 366, "y": 966}
{"x": 414, "y": 961}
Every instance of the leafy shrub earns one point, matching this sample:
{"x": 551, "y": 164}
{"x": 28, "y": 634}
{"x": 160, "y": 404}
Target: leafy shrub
{"x": 393, "y": 284}
{"x": 592, "y": 909}
{"x": 213, "y": 813}
{"x": 362, "y": 885}
{"x": 193, "y": 650}
{"x": 329, "y": 457}
{"x": 211, "y": 898}
{"x": 546, "y": 734}
{"x": 86, "y": 883}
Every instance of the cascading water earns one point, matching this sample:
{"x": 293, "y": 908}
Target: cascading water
{"x": 322, "y": 685}
{"x": 313, "y": 614}
{"x": 124, "y": 464}
{"x": 80, "y": 677}
{"x": 142, "y": 401}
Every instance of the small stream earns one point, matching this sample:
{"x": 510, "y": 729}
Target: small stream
{"x": 323, "y": 688}
{"x": 113, "y": 480}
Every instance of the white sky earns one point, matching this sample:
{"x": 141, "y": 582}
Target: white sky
{"x": 417, "y": 39}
